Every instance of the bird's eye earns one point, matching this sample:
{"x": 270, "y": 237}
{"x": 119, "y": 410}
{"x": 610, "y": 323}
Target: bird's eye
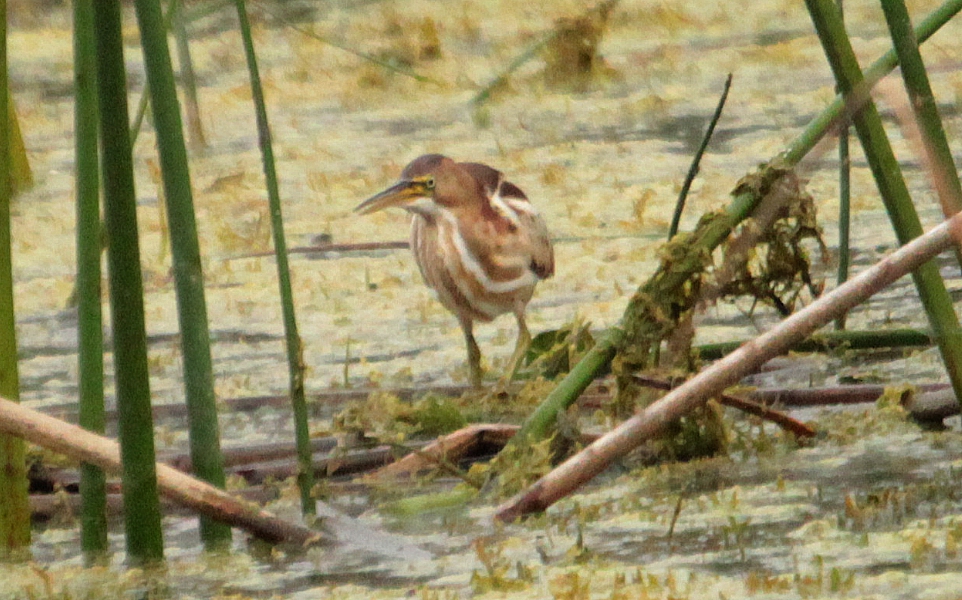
{"x": 429, "y": 183}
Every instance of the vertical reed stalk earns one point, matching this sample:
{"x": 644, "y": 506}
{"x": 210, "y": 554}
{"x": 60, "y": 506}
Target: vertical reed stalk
{"x": 208, "y": 462}
{"x": 14, "y": 503}
{"x": 90, "y": 343}
{"x": 888, "y": 177}
{"x": 844, "y": 212}
{"x": 295, "y": 355}
{"x": 922, "y": 101}
{"x": 139, "y": 475}
{"x": 844, "y": 202}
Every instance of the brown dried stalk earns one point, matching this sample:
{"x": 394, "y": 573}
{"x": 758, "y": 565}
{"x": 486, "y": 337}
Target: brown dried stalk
{"x": 759, "y": 410}
{"x": 183, "y": 489}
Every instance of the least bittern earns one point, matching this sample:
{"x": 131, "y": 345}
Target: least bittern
{"x": 477, "y": 241}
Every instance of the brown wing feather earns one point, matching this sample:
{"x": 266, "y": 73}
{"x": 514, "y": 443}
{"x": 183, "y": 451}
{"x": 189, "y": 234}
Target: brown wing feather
{"x": 542, "y": 251}
{"x": 489, "y": 177}
{"x": 510, "y": 190}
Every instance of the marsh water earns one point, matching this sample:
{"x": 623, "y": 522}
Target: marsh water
{"x": 871, "y": 508}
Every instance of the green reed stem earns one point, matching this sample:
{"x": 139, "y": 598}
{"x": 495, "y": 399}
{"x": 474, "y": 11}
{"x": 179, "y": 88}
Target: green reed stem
{"x": 922, "y": 101}
{"x": 14, "y": 503}
{"x": 888, "y": 177}
{"x": 21, "y": 177}
{"x": 844, "y": 213}
{"x": 295, "y": 356}
{"x": 141, "y": 503}
{"x": 205, "y": 453}
{"x": 90, "y": 342}
{"x": 143, "y": 105}
{"x": 835, "y": 340}
{"x": 844, "y": 203}
{"x": 835, "y": 112}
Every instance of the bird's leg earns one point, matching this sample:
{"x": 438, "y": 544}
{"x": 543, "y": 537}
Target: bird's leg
{"x": 474, "y": 353}
{"x": 520, "y": 347}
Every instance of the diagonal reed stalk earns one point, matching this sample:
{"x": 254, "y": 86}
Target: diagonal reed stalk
{"x": 21, "y": 177}
{"x": 696, "y": 161}
{"x": 143, "y": 105}
{"x": 141, "y": 502}
{"x": 295, "y": 355}
{"x": 208, "y": 462}
{"x": 936, "y": 145}
{"x": 14, "y": 503}
{"x": 888, "y": 177}
{"x": 195, "y": 129}
{"x": 387, "y": 65}
{"x": 836, "y": 113}
{"x": 90, "y": 343}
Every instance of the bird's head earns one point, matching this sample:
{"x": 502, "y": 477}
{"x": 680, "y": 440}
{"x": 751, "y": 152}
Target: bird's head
{"x": 428, "y": 184}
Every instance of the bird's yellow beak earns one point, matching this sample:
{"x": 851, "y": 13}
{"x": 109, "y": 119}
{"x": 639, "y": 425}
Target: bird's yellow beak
{"x": 399, "y": 194}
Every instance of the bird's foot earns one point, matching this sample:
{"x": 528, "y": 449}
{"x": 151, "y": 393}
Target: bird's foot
{"x": 502, "y": 389}
{"x": 475, "y": 376}
{"x": 511, "y": 371}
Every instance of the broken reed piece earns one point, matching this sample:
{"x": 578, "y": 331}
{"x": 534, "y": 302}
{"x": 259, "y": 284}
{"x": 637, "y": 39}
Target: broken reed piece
{"x": 450, "y": 448}
{"x": 80, "y": 444}
{"x": 453, "y": 448}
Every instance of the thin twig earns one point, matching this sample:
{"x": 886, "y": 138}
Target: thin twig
{"x": 674, "y": 517}
{"x": 530, "y": 52}
{"x": 340, "y": 45}
{"x": 754, "y": 408}
{"x": 696, "y": 161}
{"x": 358, "y": 247}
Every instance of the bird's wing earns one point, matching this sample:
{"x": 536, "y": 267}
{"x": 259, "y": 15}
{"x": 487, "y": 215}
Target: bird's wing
{"x": 525, "y": 215}
{"x": 539, "y": 240}
{"x": 542, "y": 251}
{"x": 489, "y": 177}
